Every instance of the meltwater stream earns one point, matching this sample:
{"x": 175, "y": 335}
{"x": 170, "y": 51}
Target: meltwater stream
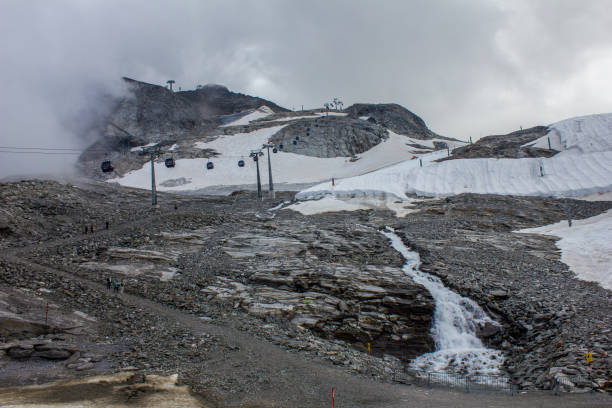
{"x": 456, "y": 319}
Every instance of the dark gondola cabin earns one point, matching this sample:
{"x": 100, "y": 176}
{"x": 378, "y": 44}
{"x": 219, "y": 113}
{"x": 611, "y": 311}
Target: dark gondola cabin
{"x": 210, "y": 165}
{"x": 169, "y": 162}
{"x": 240, "y": 163}
{"x": 106, "y": 166}
{"x": 275, "y": 150}
{"x": 280, "y": 146}
{"x": 295, "y": 142}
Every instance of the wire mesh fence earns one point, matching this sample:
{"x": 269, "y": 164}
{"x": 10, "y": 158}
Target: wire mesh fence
{"x": 467, "y": 383}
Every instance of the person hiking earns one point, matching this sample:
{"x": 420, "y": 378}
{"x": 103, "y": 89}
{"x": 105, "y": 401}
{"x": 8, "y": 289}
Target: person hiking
{"x": 122, "y": 287}
{"x": 117, "y": 284}
{"x": 109, "y": 281}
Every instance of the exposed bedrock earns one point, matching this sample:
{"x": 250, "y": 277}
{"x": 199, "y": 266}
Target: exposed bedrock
{"x": 330, "y": 137}
{"x": 356, "y": 303}
{"x": 394, "y": 117}
{"x": 504, "y": 146}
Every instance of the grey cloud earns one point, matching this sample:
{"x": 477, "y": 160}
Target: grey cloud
{"x": 468, "y": 67}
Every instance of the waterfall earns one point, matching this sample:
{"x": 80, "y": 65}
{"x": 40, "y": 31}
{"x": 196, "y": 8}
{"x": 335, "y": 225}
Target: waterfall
{"x": 456, "y": 320}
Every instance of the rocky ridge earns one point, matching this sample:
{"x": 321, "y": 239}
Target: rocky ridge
{"x": 394, "y": 117}
{"x": 508, "y": 146}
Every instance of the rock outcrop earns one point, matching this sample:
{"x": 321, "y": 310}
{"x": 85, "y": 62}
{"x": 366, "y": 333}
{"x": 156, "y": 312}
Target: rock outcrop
{"x": 394, "y": 117}
{"x": 153, "y": 113}
{"x": 330, "y": 137}
{"x": 508, "y": 146}
{"x": 369, "y": 304}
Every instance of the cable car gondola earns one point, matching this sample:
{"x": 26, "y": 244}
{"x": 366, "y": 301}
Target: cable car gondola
{"x": 240, "y": 163}
{"x": 169, "y": 162}
{"x": 297, "y": 138}
{"x": 295, "y": 142}
{"x": 106, "y": 166}
{"x": 210, "y": 165}
{"x": 274, "y": 150}
{"x": 280, "y": 146}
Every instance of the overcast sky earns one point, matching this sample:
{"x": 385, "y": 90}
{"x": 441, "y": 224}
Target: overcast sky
{"x": 467, "y": 67}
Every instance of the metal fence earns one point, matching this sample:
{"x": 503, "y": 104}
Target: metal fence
{"x": 467, "y": 383}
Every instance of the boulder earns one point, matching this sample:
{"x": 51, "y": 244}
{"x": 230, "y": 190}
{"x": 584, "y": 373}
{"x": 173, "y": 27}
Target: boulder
{"x": 19, "y": 352}
{"x": 53, "y": 354}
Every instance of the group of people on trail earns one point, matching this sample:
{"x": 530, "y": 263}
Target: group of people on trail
{"x": 90, "y": 228}
{"x": 118, "y": 286}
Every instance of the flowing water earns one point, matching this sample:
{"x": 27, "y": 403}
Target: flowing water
{"x": 456, "y": 321}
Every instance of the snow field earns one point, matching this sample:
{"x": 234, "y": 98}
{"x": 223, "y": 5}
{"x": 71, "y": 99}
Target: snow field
{"x": 332, "y": 204}
{"x": 138, "y": 148}
{"x": 286, "y": 167}
{"x": 259, "y": 113}
{"x": 586, "y": 246}
{"x": 562, "y": 175}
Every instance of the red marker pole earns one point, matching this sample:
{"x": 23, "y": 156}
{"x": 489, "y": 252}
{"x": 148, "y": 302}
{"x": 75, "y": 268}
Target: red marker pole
{"x": 333, "y": 397}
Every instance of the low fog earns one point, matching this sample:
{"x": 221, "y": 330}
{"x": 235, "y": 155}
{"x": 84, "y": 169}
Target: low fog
{"x": 467, "y": 67}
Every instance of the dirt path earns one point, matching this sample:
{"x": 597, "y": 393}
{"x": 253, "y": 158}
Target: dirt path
{"x": 283, "y": 378}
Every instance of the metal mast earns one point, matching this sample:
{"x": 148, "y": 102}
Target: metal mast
{"x": 154, "y": 152}
{"x": 269, "y": 146}
{"x": 255, "y": 155}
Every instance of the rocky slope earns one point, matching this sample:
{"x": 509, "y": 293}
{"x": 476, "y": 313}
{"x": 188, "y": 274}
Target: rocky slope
{"x": 152, "y": 113}
{"x": 394, "y": 117}
{"x": 508, "y": 146}
{"x": 330, "y": 137}
{"x": 321, "y": 286}
{"x": 550, "y": 319}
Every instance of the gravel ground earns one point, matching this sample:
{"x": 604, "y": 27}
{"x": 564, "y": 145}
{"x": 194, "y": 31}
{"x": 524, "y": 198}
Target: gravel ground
{"x": 233, "y": 358}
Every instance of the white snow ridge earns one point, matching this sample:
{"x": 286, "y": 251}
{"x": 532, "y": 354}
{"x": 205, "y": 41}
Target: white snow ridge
{"x": 583, "y": 166}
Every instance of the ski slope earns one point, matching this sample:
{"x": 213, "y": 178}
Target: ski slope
{"x": 584, "y": 166}
{"x": 287, "y": 167}
{"x": 583, "y": 134}
{"x": 586, "y": 247}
